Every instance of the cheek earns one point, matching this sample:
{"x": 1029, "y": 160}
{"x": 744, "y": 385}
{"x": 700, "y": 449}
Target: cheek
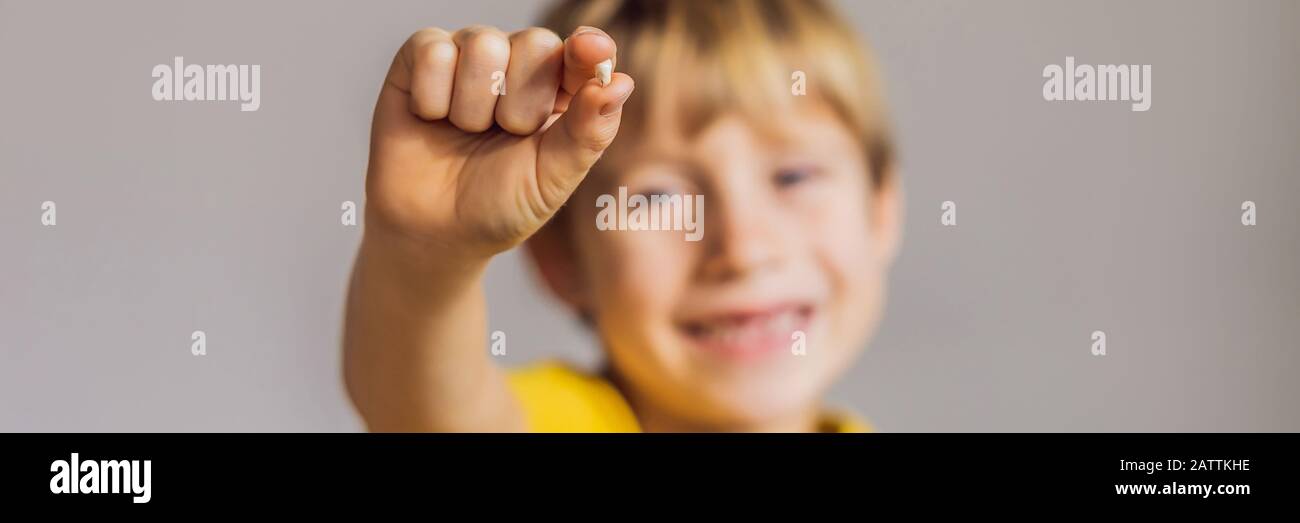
{"x": 634, "y": 277}
{"x": 634, "y": 287}
{"x": 837, "y": 223}
{"x": 842, "y": 240}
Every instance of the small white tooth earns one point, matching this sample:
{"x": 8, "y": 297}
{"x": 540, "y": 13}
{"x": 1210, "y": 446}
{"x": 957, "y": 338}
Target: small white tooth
{"x": 605, "y": 72}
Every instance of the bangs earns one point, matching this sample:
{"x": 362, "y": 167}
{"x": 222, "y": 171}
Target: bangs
{"x": 695, "y": 61}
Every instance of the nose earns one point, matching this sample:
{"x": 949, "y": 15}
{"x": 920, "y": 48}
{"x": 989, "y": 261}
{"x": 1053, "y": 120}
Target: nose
{"x": 745, "y": 236}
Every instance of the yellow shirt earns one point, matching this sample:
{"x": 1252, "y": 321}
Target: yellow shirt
{"x": 558, "y": 398}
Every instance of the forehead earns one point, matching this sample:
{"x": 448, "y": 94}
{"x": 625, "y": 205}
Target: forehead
{"x": 809, "y": 127}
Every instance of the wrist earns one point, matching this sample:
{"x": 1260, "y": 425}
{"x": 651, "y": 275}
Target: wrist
{"x": 418, "y": 271}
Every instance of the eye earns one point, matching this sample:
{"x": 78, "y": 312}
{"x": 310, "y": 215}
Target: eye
{"x": 655, "y": 191}
{"x": 651, "y": 186}
{"x": 787, "y": 177}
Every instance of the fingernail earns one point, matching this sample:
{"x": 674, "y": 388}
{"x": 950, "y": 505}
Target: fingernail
{"x": 616, "y": 105}
{"x": 584, "y": 29}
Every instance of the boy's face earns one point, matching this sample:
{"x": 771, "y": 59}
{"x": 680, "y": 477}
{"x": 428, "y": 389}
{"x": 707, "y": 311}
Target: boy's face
{"x": 795, "y": 247}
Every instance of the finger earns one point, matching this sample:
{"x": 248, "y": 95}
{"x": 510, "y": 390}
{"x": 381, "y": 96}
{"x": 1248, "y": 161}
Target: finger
{"x": 433, "y": 57}
{"x": 484, "y": 53}
{"x": 532, "y": 80}
{"x": 395, "y": 111}
{"x": 583, "y": 49}
{"x": 576, "y": 140}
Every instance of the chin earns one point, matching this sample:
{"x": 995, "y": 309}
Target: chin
{"x": 760, "y": 398}
{"x": 740, "y": 388}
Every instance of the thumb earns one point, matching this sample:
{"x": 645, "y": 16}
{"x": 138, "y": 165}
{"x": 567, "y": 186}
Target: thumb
{"x": 573, "y": 143}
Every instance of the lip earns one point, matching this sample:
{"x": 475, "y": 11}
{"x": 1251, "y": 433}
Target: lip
{"x": 748, "y": 333}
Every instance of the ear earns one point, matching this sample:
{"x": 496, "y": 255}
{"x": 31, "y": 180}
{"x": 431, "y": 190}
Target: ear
{"x": 552, "y": 252}
{"x": 887, "y": 216}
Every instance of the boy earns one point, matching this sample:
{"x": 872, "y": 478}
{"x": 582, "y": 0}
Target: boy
{"x": 768, "y": 110}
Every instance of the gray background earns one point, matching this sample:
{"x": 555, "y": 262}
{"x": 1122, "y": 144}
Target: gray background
{"x": 175, "y": 217}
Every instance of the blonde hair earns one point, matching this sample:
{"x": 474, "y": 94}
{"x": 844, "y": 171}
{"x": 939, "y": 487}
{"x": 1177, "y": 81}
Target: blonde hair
{"x": 694, "y": 60}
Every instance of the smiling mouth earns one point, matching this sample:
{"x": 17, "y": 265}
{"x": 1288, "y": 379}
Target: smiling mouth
{"x": 749, "y": 334}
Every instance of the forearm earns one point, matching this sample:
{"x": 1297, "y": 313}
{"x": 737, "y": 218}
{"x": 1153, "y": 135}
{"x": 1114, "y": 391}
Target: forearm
{"x": 414, "y": 342}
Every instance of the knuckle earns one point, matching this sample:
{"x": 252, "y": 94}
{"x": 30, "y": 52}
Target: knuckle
{"x": 435, "y": 54}
{"x": 431, "y": 31}
{"x": 426, "y": 34}
{"x": 490, "y": 41}
{"x": 599, "y": 138}
{"x": 538, "y": 38}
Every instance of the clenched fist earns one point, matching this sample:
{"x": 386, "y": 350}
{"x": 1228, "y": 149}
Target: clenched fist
{"x": 470, "y": 162}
